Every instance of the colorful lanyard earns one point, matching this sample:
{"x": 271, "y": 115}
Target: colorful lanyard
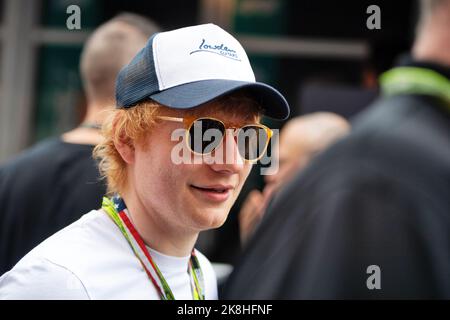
{"x": 118, "y": 212}
{"x": 415, "y": 80}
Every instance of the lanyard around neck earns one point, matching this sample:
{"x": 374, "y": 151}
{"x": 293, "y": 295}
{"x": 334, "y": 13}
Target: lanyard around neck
{"x": 118, "y": 212}
{"x": 415, "y": 80}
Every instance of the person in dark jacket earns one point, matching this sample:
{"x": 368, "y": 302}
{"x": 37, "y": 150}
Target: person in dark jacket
{"x": 370, "y": 218}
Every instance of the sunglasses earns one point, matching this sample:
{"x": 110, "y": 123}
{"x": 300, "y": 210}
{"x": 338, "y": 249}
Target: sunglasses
{"x": 204, "y": 135}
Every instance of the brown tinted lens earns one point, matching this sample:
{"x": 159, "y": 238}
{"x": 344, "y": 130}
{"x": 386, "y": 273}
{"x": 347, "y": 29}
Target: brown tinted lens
{"x": 205, "y": 135}
{"x": 252, "y": 142}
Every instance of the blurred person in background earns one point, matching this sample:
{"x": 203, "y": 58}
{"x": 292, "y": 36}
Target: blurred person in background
{"x": 370, "y": 218}
{"x": 53, "y": 183}
{"x": 301, "y": 139}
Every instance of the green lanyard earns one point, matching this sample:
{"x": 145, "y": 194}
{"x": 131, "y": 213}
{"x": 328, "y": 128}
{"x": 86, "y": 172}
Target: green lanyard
{"x": 118, "y": 212}
{"x": 415, "y": 80}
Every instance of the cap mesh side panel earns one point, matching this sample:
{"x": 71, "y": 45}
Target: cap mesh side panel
{"x": 138, "y": 79}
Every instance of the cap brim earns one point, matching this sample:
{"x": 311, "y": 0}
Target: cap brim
{"x": 197, "y": 93}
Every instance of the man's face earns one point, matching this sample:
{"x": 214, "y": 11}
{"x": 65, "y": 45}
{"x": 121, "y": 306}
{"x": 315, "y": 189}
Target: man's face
{"x": 195, "y": 196}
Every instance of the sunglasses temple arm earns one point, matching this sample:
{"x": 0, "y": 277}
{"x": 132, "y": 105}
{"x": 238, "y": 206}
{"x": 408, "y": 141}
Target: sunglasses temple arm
{"x": 173, "y": 119}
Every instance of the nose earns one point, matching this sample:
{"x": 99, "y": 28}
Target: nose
{"x": 227, "y": 158}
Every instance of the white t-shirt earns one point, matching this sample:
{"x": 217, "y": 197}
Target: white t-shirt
{"x": 91, "y": 259}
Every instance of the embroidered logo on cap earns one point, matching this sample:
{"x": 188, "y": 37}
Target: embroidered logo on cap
{"x": 219, "y": 49}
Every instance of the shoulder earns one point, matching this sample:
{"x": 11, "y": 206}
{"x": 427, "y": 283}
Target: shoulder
{"x": 403, "y": 138}
{"x": 93, "y": 237}
{"x": 41, "y": 279}
{"x": 48, "y": 150}
{"x": 77, "y": 256}
{"x": 32, "y": 161}
{"x": 414, "y": 120}
{"x": 36, "y": 151}
{"x": 209, "y": 275}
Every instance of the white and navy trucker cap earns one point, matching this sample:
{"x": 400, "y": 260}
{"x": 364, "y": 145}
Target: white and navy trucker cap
{"x": 187, "y": 67}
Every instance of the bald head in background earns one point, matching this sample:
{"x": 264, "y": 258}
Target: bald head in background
{"x": 301, "y": 139}
{"x": 110, "y": 47}
{"x": 304, "y": 137}
{"x": 432, "y": 41}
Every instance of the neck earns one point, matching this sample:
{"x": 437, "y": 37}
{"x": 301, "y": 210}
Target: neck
{"x": 91, "y": 136}
{"x": 97, "y": 112}
{"x": 159, "y": 234}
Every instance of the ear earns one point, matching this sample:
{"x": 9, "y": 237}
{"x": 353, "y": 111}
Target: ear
{"x": 125, "y": 149}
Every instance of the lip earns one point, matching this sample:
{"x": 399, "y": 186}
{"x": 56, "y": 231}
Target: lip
{"x": 208, "y": 193}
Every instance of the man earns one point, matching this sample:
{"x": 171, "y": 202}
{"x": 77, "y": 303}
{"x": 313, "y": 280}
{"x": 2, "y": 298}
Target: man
{"x": 301, "y": 139}
{"x": 52, "y": 184}
{"x": 176, "y": 153}
{"x": 370, "y": 218}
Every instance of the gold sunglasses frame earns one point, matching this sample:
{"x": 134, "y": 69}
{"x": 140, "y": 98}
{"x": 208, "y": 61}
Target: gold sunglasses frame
{"x": 189, "y": 121}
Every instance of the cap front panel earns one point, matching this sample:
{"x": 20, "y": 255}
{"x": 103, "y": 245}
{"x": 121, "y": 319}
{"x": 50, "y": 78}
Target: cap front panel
{"x": 197, "y": 53}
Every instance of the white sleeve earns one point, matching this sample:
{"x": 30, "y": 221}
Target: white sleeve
{"x": 41, "y": 279}
{"x": 210, "y": 279}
